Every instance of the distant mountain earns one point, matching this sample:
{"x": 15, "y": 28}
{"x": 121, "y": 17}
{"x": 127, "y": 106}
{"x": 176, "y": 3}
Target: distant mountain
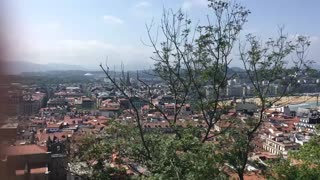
{"x": 18, "y": 67}
{"x": 237, "y": 69}
{"x": 315, "y": 66}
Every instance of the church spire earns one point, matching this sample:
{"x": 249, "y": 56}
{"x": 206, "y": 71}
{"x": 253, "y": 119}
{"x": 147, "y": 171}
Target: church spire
{"x": 128, "y": 83}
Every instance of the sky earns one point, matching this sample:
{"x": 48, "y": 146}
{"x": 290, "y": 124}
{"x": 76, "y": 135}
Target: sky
{"x": 86, "y": 32}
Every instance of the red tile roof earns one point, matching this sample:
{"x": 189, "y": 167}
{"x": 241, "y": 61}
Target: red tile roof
{"x": 41, "y": 170}
{"x": 24, "y": 150}
{"x": 51, "y": 125}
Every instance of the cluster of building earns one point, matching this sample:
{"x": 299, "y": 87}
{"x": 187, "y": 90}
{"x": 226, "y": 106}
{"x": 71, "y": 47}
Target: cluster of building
{"x": 55, "y": 118}
{"x": 24, "y": 100}
{"x": 37, "y": 134}
{"x": 46, "y": 124}
{"x": 241, "y": 87}
{"x": 284, "y": 130}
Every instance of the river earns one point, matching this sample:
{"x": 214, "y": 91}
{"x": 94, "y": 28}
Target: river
{"x": 303, "y": 105}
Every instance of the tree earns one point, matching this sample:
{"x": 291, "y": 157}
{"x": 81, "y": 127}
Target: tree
{"x": 302, "y": 164}
{"x": 213, "y": 56}
{"x": 265, "y": 65}
{"x": 188, "y": 59}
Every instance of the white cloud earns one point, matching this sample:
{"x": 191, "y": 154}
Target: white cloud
{"x": 142, "y": 10}
{"x": 112, "y": 19}
{"x": 189, "y": 4}
{"x": 142, "y": 4}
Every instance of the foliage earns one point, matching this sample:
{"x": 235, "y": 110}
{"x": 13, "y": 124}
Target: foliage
{"x": 172, "y": 157}
{"x": 266, "y": 64}
{"x": 184, "y": 158}
{"x": 189, "y": 59}
{"x": 302, "y": 164}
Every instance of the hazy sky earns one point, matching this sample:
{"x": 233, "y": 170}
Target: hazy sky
{"x": 84, "y": 32}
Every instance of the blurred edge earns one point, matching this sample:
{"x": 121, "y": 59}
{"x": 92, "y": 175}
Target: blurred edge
{"x": 4, "y": 80}
{"x": 4, "y": 56}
